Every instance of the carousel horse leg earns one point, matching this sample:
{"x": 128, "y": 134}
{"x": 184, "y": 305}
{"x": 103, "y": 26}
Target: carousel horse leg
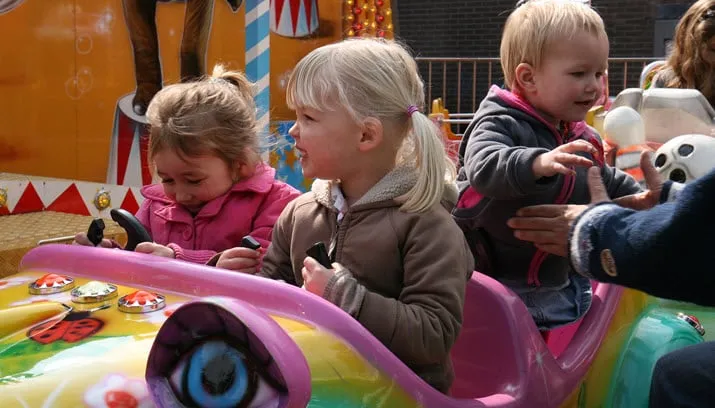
{"x": 194, "y": 43}
{"x": 140, "y": 17}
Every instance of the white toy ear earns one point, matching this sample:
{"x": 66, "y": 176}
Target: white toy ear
{"x": 624, "y": 127}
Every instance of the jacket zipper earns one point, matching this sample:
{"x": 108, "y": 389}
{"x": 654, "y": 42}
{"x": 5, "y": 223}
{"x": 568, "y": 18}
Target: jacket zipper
{"x": 564, "y": 195}
{"x": 333, "y": 247}
{"x": 566, "y": 190}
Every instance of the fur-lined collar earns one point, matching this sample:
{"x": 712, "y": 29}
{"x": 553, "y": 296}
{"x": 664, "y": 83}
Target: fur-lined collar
{"x": 393, "y": 187}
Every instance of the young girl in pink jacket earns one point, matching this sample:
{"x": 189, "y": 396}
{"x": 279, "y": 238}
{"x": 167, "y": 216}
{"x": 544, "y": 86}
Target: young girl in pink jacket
{"x": 214, "y": 190}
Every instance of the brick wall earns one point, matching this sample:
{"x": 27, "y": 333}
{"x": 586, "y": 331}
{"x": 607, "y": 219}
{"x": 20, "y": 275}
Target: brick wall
{"x": 472, "y": 28}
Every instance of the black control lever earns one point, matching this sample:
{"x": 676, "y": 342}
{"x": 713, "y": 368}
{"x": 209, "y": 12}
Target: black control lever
{"x": 95, "y": 233}
{"x": 250, "y": 242}
{"x": 136, "y": 233}
{"x": 320, "y": 254}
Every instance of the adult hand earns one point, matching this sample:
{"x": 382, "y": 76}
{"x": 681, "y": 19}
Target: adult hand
{"x": 548, "y": 226}
{"x": 654, "y": 182}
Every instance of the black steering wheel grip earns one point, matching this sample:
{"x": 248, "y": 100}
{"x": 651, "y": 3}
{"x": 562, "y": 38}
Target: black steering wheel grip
{"x": 136, "y": 233}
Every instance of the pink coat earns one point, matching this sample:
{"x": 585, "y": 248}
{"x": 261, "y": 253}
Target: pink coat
{"x": 251, "y": 207}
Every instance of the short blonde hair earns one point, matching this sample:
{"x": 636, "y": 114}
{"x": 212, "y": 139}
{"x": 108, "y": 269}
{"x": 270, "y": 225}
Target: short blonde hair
{"x": 536, "y": 25}
{"x": 215, "y": 115}
{"x": 376, "y": 78}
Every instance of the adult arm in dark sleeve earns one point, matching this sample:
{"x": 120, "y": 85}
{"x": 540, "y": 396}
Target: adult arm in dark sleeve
{"x": 664, "y": 251}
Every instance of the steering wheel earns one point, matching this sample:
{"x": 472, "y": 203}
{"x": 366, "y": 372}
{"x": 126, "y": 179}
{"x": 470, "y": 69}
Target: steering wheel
{"x": 136, "y": 233}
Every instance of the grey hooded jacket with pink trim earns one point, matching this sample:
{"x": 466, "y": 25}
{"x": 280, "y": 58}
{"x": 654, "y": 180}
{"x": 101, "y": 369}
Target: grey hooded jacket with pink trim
{"x": 497, "y": 153}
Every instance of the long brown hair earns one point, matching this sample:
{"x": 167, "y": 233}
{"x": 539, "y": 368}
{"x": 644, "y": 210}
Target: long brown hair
{"x": 688, "y": 60}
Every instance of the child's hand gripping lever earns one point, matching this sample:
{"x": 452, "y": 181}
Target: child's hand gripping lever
{"x": 250, "y": 243}
{"x": 243, "y": 258}
{"x": 316, "y": 277}
{"x": 136, "y": 233}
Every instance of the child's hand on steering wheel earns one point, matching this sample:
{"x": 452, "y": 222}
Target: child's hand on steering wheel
{"x": 558, "y": 160}
{"x": 82, "y": 239}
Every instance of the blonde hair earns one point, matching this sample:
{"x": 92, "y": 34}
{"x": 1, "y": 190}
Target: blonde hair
{"x": 215, "y": 115}
{"x": 689, "y": 68}
{"x": 374, "y": 78}
{"x": 536, "y": 25}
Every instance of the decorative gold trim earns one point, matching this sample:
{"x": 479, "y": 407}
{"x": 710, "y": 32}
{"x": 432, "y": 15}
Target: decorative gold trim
{"x": 102, "y": 200}
{"x": 3, "y": 197}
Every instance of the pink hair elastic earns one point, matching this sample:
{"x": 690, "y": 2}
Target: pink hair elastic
{"x": 412, "y": 109}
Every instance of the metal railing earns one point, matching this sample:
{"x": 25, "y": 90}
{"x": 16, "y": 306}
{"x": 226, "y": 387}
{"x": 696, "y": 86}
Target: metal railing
{"x": 468, "y": 80}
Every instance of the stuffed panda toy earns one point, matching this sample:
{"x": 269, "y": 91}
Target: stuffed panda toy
{"x": 685, "y": 158}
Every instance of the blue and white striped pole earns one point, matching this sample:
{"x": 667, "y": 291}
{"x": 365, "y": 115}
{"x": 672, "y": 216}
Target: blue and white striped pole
{"x": 258, "y": 53}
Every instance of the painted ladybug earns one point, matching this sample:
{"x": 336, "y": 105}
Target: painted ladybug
{"x": 75, "y": 327}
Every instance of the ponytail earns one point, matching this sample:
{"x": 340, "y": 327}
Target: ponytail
{"x": 434, "y": 167}
{"x": 247, "y": 93}
{"x": 235, "y": 78}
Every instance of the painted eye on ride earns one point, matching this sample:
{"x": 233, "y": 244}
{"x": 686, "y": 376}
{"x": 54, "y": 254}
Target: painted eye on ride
{"x": 222, "y": 352}
{"x": 218, "y": 374}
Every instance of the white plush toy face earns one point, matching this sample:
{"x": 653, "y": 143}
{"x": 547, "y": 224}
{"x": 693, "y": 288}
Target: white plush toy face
{"x": 685, "y": 158}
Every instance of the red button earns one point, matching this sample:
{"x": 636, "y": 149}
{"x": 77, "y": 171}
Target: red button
{"x": 51, "y": 280}
{"x": 140, "y": 297}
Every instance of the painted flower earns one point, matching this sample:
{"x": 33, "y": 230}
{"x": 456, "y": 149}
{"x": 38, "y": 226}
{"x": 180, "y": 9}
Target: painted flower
{"x": 62, "y": 297}
{"x": 14, "y": 281}
{"x": 118, "y": 391}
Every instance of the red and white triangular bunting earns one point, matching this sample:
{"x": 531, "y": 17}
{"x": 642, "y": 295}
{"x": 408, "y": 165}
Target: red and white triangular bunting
{"x": 70, "y": 201}
{"x": 13, "y": 189}
{"x": 28, "y": 202}
{"x": 130, "y": 203}
{"x": 67, "y": 196}
{"x": 49, "y": 190}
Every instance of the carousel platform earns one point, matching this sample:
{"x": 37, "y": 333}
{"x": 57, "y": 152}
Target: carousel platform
{"x": 22, "y": 232}
{"x": 35, "y": 210}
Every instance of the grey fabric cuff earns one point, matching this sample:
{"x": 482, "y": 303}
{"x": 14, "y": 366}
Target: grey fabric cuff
{"x": 670, "y": 191}
{"x": 344, "y": 291}
{"x": 580, "y": 244}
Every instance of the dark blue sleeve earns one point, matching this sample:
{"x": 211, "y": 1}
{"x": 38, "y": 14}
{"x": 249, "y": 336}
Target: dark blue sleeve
{"x": 665, "y": 251}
